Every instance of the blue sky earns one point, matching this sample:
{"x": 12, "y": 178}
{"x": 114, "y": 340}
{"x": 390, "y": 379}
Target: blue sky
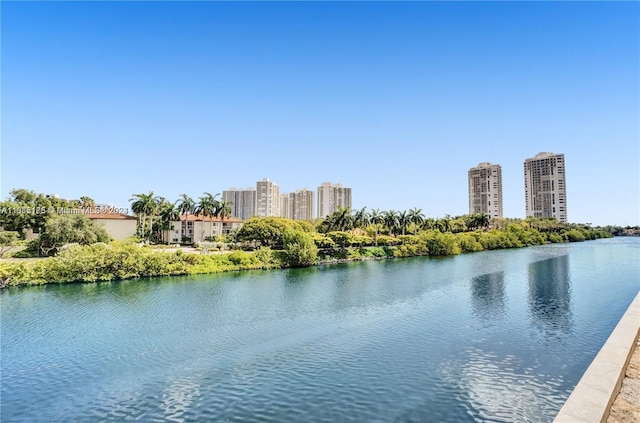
{"x": 395, "y": 100}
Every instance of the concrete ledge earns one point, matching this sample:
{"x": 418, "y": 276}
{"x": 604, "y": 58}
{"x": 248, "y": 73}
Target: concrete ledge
{"x": 590, "y": 401}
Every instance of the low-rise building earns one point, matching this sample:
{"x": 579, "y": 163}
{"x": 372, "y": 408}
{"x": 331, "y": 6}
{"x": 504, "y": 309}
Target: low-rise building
{"x": 197, "y": 228}
{"x": 119, "y": 226}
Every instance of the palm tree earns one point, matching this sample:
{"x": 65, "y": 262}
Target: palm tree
{"x": 208, "y": 206}
{"x": 186, "y": 205}
{"x": 417, "y": 218}
{"x": 361, "y": 218}
{"x": 215, "y": 211}
{"x": 143, "y": 205}
{"x": 444, "y": 224}
{"x": 376, "y": 219}
{"x": 483, "y": 220}
{"x": 327, "y": 224}
{"x": 429, "y": 223}
{"x": 202, "y": 208}
{"x": 390, "y": 220}
{"x": 403, "y": 221}
{"x": 169, "y": 212}
{"x": 224, "y": 210}
{"x": 342, "y": 218}
{"x": 137, "y": 207}
{"x": 87, "y": 202}
{"x": 153, "y": 208}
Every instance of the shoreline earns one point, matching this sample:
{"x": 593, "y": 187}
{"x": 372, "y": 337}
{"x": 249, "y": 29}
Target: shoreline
{"x": 76, "y": 266}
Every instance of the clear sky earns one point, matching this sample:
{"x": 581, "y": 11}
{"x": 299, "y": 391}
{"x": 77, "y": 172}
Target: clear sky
{"x": 395, "y": 100}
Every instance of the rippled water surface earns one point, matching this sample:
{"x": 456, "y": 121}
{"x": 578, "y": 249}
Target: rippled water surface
{"x": 492, "y": 336}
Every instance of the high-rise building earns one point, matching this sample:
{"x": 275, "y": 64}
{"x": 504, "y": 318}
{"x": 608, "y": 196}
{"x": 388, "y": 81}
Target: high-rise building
{"x": 243, "y": 202}
{"x": 297, "y": 205}
{"x": 286, "y": 206}
{"x": 331, "y": 196}
{"x": 302, "y": 204}
{"x": 545, "y": 186}
{"x": 267, "y": 198}
{"x": 485, "y": 189}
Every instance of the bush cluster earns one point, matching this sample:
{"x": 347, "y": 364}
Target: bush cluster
{"x": 107, "y": 262}
{"x": 301, "y": 246}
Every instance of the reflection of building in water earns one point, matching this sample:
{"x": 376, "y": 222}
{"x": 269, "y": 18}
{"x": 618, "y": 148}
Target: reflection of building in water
{"x": 550, "y": 294}
{"x": 487, "y": 295}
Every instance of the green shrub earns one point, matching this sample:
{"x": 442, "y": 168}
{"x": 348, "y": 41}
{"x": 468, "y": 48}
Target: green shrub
{"x": 269, "y": 231}
{"x": 574, "y": 235}
{"x": 439, "y": 244}
{"x": 376, "y": 252}
{"x": 409, "y": 239}
{"x": 322, "y": 241}
{"x": 468, "y": 243}
{"x": 242, "y": 258}
{"x": 355, "y": 253}
{"x": 300, "y": 248}
{"x": 387, "y": 240}
{"x": 340, "y": 238}
{"x": 266, "y": 258}
{"x": 554, "y": 237}
{"x": 336, "y": 253}
{"x": 361, "y": 240}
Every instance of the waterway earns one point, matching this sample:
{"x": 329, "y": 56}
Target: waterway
{"x": 497, "y": 336}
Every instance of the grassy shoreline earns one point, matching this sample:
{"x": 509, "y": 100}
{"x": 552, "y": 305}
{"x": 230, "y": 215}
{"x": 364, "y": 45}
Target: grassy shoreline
{"x": 120, "y": 260}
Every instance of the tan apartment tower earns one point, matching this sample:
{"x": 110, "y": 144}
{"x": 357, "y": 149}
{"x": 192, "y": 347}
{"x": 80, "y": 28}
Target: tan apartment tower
{"x": 297, "y": 205}
{"x": 286, "y": 206}
{"x": 331, "y": 196}
{"x": 267, "y": 198}
{"x": 243, "y": 202}
{"x": 545, "y": 186}
{"x": 302, "y": 204}
{"x": 485, "y": 189}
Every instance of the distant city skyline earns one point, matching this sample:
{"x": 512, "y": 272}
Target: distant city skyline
{"x": 395, "y": 100}
{"x": 266, "y": 200}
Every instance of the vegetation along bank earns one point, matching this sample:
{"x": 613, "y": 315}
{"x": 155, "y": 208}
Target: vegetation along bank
{"x": 275, "y": 242}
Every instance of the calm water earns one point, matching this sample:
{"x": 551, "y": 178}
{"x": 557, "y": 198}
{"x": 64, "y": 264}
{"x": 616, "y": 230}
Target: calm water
{"x": 491, "y": 336}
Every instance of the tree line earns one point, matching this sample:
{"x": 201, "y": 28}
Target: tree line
{"x": 271, "y": 242}
{"x": 343, "y": 228}
{"x": 25, "y": 211}
{"x": 394, "y": 222}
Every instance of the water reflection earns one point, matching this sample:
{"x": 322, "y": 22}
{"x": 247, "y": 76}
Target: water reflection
{"x": 487, "y": 296}
{"x": 550, "y": 295}
{"x": 177, "y": 399}
{"x": 299, "y": 274}
{"x": 502, "y": 388}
